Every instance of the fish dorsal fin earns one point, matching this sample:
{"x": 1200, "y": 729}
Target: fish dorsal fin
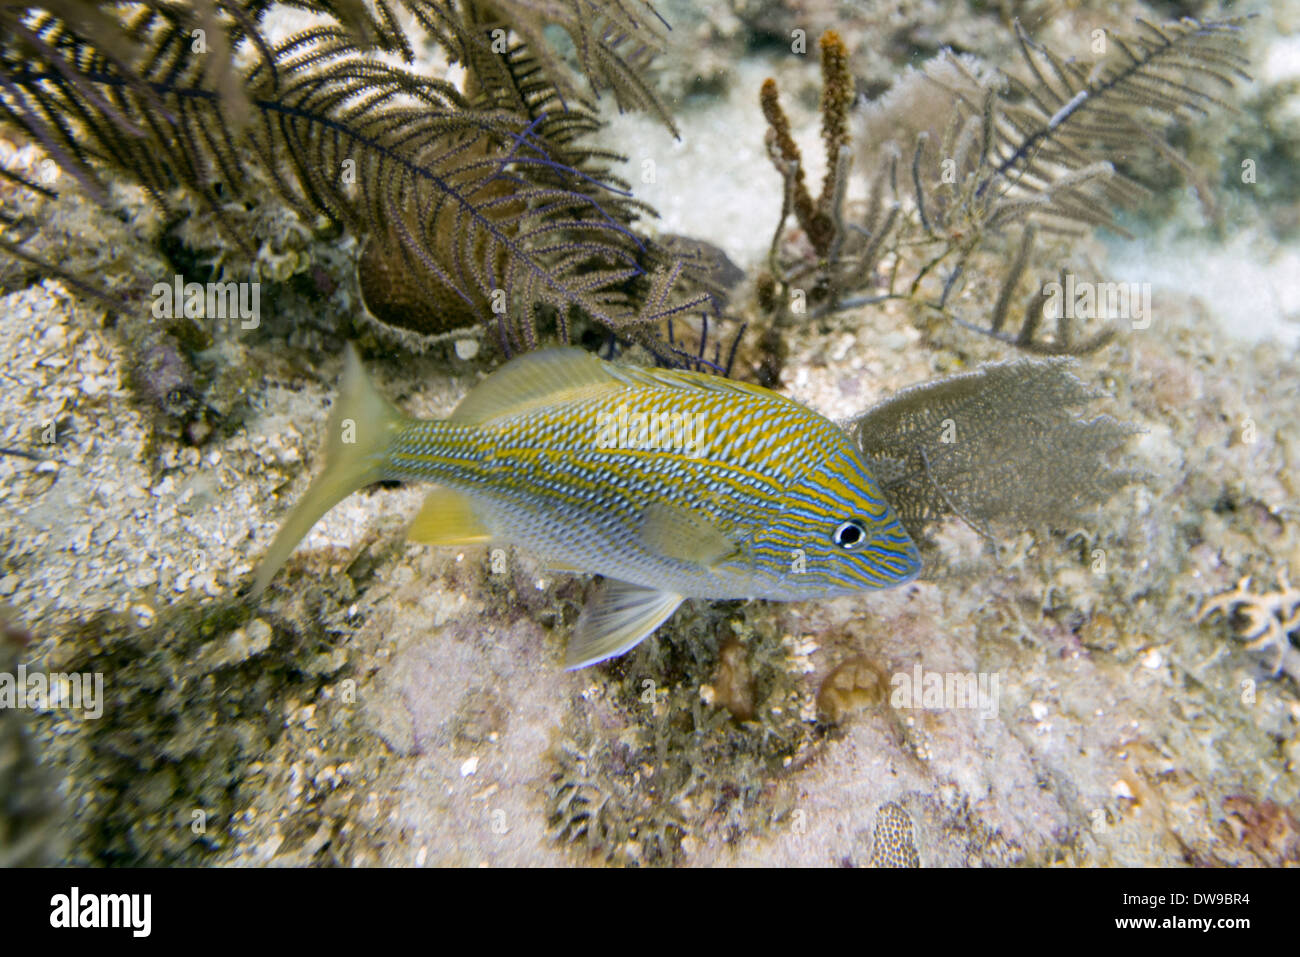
{"x": 681, "y": 379}
{"x": 684, "y": 534}
{"x": 448, "y": 517}
{"x": 557, "y": 376}
{"x": 536, "y": 380}
{"x": 619, "y": 616}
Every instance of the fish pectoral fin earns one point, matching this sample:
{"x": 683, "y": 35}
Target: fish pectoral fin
{"x": 685, "y": 535}
{"x": 618, "y": 618}
{"x": 448, "y": 517}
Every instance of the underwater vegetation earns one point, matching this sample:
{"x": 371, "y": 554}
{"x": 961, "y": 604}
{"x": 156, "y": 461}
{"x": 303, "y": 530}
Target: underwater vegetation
{"x": 492, "y": 204}
{"x": 971, "y": 167}
{"x": 701, "y": 762}
{"x": 478, "y": 203}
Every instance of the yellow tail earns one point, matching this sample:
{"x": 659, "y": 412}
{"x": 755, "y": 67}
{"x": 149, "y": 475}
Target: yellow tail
{"x": 360, "y": 431}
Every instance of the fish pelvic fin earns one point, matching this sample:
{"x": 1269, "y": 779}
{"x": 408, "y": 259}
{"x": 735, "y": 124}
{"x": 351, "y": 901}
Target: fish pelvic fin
{"x": 618, "y": 618}
{"x": 360, "y": 431}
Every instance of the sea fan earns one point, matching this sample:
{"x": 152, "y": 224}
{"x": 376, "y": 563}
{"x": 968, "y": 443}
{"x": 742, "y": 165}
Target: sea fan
{"x": 1004, "y": 444}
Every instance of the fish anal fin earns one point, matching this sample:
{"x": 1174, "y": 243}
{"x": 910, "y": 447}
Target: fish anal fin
{"x": 448, "y": 517}
{"x": 618, "y": 617}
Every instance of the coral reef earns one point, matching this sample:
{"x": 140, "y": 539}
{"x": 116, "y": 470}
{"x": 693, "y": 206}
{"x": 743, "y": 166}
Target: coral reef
{"x": 1268, "y": 620}
{"x": 1265, "y": 828}
{"x": 892, "y": 840}
{"x": 33, "y": 824}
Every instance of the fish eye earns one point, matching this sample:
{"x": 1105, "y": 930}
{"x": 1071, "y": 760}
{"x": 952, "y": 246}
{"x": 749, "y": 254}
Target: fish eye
{"x": 850, "y": 534}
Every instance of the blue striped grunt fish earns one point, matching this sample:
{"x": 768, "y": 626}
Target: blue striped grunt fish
{"x": 670, "y": 484}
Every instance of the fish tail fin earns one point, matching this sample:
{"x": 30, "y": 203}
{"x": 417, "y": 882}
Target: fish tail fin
{"x": 360, "y": 432}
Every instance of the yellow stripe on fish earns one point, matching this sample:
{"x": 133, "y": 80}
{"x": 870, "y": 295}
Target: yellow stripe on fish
{"x": 670, "y": 484}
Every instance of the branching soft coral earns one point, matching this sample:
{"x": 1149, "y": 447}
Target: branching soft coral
{"x": 482, "y": 205}
{"x": 969, "y": 168}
